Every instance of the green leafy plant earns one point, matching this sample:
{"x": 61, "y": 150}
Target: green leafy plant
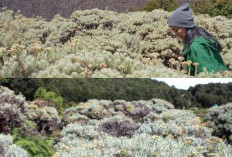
{"x": 3, "y": 81}
{"x": 200, "y": 6}
{"x": 51, "y": 97}
{"x": 167, "y": 5}
{"x": 221, "y": 7}
{"x": 34, "y": 145}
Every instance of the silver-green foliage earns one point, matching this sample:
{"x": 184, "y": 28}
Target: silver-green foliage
{"x": 81, "y": 131}
{"x": 177, "y": 123}
{"x": 92, "y": 109}
{"x": 15, "y": 111}
{"x": 8, "y": 149}
{"x": 220, "y": 119}
{"x": 46, "y": 117}
{"x": 139, "y": 145}
{"x": 162, "y": 131}
{"x": 11, "y": 107}
{"x": 102, "y": 109}
{"x": 99, "y": 43}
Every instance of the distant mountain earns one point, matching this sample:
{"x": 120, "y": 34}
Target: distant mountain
{"x": 49, "y": 8}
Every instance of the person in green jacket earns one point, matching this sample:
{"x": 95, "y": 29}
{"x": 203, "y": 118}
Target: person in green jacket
{"x": 200, "y": 47}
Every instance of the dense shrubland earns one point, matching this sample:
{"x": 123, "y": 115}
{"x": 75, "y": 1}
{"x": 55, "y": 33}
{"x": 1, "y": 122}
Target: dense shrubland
{"x": 137, "y": 128}
{"x": 30, "y": 117}
{"x": 113, "y": 128}
{"x": 97, "y": 43}
{"x": 27, "y": 122}
{"x": 220, "y": 119}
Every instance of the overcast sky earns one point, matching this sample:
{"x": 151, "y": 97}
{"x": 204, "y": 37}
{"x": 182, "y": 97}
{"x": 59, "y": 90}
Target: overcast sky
{"x": 185, "y": 83}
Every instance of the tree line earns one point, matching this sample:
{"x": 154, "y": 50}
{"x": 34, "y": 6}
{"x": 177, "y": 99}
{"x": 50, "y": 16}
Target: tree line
{"x": 210, "y": 7}
{"x": 81, "y": 90}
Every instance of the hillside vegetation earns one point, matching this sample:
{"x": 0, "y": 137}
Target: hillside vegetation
{"x": 96, "y": 43}
{"x": 210, "y": 7}
{"x": 110, "y": 128}
{"x": 81, "y": 90}
{"x": 49, "y": 8}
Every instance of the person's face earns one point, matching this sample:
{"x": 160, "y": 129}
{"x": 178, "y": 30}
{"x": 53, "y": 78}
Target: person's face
{"x": 180, "y": 32}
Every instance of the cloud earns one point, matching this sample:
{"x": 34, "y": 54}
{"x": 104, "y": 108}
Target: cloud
{"x": 185, "y": 83}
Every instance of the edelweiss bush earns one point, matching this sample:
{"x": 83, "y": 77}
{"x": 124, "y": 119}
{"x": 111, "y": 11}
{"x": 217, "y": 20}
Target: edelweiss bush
{"x": 100, "y": 43}
{"x": 139, "y": 145}
{"x": 111, "y": 128}
{"x": 137, "y": 128}
{"x": 176, "y": 123}
{"x": 220, "y": 119}
{"x": 103, "y": 109}
{"x": 11, "y": 108}
{"x": 8, "y": 149}
{"x": 46, "y": 118}
{"x": 29, "y": 116}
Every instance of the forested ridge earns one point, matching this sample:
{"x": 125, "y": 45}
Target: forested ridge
{"x": 49, "y": 8}
{"x": 81, "y": 90}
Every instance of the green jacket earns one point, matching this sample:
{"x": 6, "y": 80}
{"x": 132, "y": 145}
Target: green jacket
{"x": 206, "y": 54}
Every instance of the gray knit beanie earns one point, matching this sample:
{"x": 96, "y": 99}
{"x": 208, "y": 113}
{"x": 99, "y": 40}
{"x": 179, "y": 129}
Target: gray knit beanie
{"x": 182, "y": 17}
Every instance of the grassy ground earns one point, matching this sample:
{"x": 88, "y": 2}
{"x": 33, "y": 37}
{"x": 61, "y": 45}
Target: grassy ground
{"x": 200, "y": 112}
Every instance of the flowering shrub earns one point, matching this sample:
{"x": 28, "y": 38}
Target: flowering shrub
{"x": 112, "y": 128}
{"x": 139, "y": 145}
{"x": 11, "y": 108}
{"x": 8, "y": 149}
{"x": 72, "y": 131}
{"x": 31, "y": 117}
{"x": 125, "y": 128}
{"x": 115, "y": 126}
{"x": 220, "y": 119}
{"x": 46, "y": 118}
{"x": 176, "y": 123}
{"x": 103, "y": 109}
{"x": 97, "y": 43}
